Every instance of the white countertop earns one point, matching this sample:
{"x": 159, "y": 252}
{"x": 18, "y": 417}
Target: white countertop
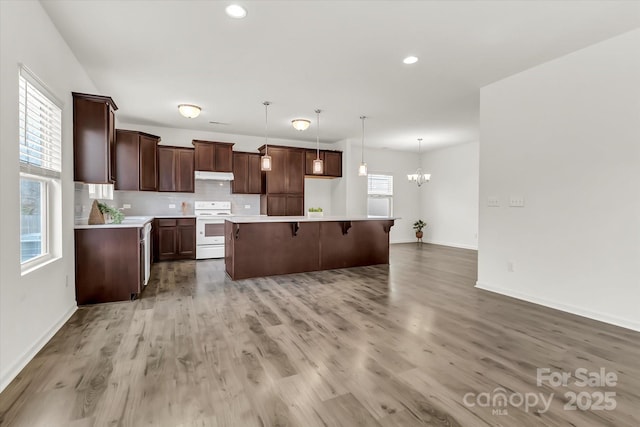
{"x": 127, "y": 222}
{"x": 261, "y": 218}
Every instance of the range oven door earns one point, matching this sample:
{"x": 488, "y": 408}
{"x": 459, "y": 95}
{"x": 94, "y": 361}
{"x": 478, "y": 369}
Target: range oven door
{"x": 209, "y": 238}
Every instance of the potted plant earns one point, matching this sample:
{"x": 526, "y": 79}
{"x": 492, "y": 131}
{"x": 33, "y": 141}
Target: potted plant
{"x": 418, "y": 226}
{"x": 315, "y": 213}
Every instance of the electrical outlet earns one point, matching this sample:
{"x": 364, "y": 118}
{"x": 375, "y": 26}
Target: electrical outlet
{"x": 66, "y": 281}
{"x": 126, "y": 206}
{"x": 247, "y": 206}
{"x": 516, "y": 201}
{"x": 172, "y": 205}
{"x": 493, "y": 202}
{"x": 511, "y": 266}
{"x": 84, "y": 208}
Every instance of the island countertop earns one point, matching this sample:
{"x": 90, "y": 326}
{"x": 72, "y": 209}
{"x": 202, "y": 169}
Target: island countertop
{"x": 262, "y": 218}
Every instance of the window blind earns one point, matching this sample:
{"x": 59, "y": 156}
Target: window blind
{"x": 40, "y": 121}
{"x": 380, "y": 185}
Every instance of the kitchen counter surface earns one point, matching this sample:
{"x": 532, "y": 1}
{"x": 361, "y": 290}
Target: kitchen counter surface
{"x": 239, "y": 219}
{"x": 174, "y": 216}
{"x": 128, "y": 222}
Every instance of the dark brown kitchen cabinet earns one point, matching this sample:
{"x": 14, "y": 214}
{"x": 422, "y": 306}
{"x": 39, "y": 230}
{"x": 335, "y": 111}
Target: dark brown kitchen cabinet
{"x": 174, "y": 238}
{"x": 212, "y": 156}
{"x": 284, "y": 184}
{"x": 136, "y": 161}
{"x": 247, "y": 177}
{"x": 94, "y": 139}
{"x": 175, "y": 169}
{"x": 332, "y": 162}
{"x": 109, "y": 264}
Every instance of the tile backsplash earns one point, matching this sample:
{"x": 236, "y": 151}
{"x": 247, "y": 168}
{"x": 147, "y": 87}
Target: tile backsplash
{"x": 158, "y": 203}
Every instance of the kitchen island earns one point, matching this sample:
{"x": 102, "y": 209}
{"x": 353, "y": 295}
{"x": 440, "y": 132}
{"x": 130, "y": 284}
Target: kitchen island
{"x": 265, "y": 246}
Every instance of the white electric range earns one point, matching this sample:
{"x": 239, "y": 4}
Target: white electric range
{"x": 210, "y": 218}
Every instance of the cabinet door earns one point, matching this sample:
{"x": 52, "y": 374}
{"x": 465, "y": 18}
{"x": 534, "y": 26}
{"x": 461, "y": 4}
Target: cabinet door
{"x": 204, "y": 157}
{"x": 333, "y": 163}
{"x": 295, "y": 206}
{"x": 148, "y": 170}
{"x": 167, "y": 243}
{"x": 126, "y": 156}
{"x": 166, "y": 169}
{"x": 184, "y": 172}
{"x": 295, "y": 171}
{"x": 92, "y": 141}
{"x": 254, "y": 174}
{"x": 223, "y": 157}
{"x": 277, "y": 205}
{"x": 240, "y": 183}
{"x": 186, "y": 241}
{"x": 276, "y": 178}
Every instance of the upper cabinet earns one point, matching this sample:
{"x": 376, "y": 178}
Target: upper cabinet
{"x": 175, "y": 169}
{"x": 332, "y": 163}
{"x": 247, "y": 177}
{"x": 284, "y": 184}
{"x": 136, "y": 161}
{"x": 211, "y": 156}
{"x": 94, "y": 139}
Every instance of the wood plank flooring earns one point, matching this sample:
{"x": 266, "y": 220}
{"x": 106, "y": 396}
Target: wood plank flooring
{"x": 396, "y": 345}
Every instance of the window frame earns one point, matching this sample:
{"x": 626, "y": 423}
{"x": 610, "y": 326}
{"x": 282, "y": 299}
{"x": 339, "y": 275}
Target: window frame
{"x": 50, "y": 180}
{"x": 380, "y": 196}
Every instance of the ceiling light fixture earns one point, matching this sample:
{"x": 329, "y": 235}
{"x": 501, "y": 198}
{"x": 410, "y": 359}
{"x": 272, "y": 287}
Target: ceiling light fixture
{"x": 300, "y": 124}
{"x": 189, "y": 111}
{"x": 318, "y": 167}
{"x": 419, "y": 177}
{"x": 265, "y": 161}
{"x": 362, "y": 169}
{"x": 410, "y": 60}
{"x": 236, "y": 11}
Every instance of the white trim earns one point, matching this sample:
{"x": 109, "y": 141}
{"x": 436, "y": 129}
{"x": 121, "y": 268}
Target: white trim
{"x": 594, "y": 315}
{"x": 10, "y": 374}
{"x": 453, "y": 245}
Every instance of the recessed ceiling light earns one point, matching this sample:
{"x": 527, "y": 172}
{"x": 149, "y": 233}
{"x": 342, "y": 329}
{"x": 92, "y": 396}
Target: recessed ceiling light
{"x": 236, "y": 11}
{"x": 410, "y": 60}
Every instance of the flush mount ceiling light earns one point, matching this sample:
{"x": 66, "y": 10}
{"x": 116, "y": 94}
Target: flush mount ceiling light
{"x": 410, "y": 60}
{"x": 189, "y": 111}
{"x": 419, "y": 177}
{"x": 362, "y": 169}
{"x": 318, "y": 167}
{"x": 265, "y": 161}
{"x": 236, "y": 11}
{"x": 300, "y": 124}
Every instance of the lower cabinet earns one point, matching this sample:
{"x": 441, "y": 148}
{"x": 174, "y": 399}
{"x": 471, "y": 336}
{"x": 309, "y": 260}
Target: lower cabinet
{"x": 174, "y": 238}
{"x": 109, "y": 264}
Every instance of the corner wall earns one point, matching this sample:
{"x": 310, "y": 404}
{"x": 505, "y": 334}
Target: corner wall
{"x": 34, "y": 306}
{"x": 565, "y": 135}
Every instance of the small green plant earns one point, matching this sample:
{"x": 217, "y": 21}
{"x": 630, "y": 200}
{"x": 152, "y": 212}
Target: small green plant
{"x": 116, "y": 215}
{"x": 419, "y": 225}
{"x": 315, "y": 209}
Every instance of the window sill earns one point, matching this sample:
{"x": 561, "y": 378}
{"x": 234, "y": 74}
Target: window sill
{"x": 38, "y": 263}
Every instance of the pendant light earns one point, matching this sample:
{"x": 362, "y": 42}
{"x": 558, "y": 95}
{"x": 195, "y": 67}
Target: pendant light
{"x": 362, "y": 169}
{"x": 318, "y": 167}
{"x": 419, "y": 177}
{"x": 265, "y": 161}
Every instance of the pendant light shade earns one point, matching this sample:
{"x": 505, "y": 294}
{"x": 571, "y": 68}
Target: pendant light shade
{"x": 362, "y": 169}
{"x": 265, "y": 161}
{"x": 419, "y": 177}
{"x": 318, "y": 165}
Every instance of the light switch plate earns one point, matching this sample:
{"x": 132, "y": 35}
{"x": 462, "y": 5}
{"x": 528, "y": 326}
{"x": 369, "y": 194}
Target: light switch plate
{"x": 493, "y": 202}
{"x": 126, "y": 206}
{"x": 516, "y": 201}
{"x": 172, "y": 206}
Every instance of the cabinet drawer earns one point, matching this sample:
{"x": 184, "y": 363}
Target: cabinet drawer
{"x": 186, "y": 221}
{"x": 167, "y": 222}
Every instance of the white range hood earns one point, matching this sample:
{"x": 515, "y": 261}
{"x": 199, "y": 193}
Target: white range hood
{"x": 214, "y": 176}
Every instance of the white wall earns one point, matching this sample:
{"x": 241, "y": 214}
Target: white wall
{"x": 406, "y": 195}
{"x": 565, "y": 135}
{"x": 34, "y": 306}
{"x": 449, "y": 202}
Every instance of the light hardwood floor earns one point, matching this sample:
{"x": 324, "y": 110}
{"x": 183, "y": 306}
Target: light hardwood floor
{"x": 396, "y": 345}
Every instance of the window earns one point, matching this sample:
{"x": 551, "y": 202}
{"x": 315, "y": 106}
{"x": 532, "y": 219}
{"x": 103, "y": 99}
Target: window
{"x": 380, "y": 195}
{"x": 40, "y": 120}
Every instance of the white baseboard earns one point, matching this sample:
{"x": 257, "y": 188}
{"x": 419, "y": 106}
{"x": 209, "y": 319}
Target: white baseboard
{"x": 453, "y": 245}
{"x": 393, "y": 242}
{"x": 7, "y": 376}
{"x": 594, "y": 315}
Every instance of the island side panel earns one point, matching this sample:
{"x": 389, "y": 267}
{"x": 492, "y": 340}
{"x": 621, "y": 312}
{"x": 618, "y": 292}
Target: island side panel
{"x": 354, "y": 243}
{"x": 229, "y": 248}
{"x": 271, "y": 248}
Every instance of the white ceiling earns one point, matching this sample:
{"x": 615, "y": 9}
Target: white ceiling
{"x": 344, "y": 57}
